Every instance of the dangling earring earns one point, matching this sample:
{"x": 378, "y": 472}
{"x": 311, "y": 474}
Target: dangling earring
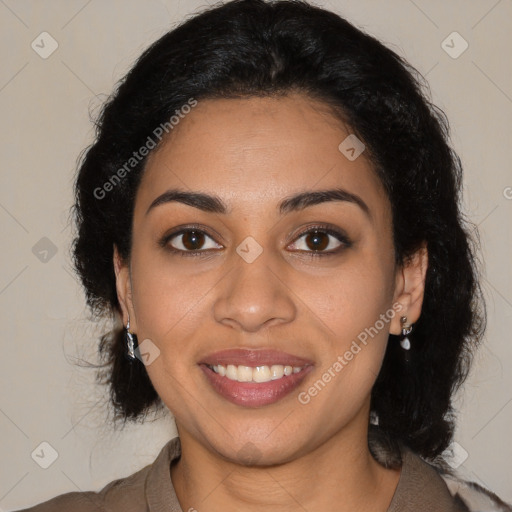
{"x": 131, "y": 342}
{"x": 405, "y": 343}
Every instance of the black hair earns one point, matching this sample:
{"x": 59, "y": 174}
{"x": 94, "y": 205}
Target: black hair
{"x": 249, "y": 48}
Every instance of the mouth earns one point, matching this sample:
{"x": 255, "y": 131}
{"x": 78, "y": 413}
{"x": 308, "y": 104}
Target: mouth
{"x": 254, "y": 378}
{"x": 241, "y": 373}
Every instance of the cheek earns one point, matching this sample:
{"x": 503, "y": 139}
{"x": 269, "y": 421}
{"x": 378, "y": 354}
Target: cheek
{"x": 169, "y": 308}
{"x": 355, "y": 299}
{"x": 358, "y": 311}
{"x": 169, "y": 304}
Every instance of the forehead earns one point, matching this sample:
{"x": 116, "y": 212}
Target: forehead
{"x": 254, "y": 151}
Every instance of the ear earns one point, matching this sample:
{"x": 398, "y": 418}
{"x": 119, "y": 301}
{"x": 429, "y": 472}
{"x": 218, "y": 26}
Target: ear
{"x": 124, "y": 289}
{"x": 410, "y": 289}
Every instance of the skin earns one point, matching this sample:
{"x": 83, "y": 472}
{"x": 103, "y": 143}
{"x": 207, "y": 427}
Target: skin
{"x": 252, "y": 153}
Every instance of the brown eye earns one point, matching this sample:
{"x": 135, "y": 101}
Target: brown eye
{"x": 190, "y": 240}
{"x": 317, "y": 240}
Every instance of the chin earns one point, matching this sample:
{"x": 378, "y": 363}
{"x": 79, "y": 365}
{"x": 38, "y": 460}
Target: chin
{"x": 265, "y": 449}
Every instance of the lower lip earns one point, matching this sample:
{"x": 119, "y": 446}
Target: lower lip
{"x": 254, "y": 394}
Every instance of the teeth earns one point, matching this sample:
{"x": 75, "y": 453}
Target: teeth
{"x": 276, "y": 371}
{"x": 261, "y": 374}
{"x": 257, "y": 374}
{"x": 244, "y": 373}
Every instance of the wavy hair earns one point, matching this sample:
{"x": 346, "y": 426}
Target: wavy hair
{"x": 256, "y": 48}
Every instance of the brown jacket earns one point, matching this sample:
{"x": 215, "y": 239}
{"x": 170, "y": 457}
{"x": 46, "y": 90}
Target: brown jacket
{"x": 421, "y": 488}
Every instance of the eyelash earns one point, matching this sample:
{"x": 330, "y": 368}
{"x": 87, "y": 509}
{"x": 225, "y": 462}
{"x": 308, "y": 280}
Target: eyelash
{"x": 321, "y": 228}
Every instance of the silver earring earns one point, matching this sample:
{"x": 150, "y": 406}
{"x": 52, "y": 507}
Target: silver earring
{"x": 405, "y": 343}
{"x": 131, "y": 342}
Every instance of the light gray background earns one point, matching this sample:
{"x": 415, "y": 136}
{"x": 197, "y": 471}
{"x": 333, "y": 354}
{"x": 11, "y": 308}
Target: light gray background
{"x": 44, "y": 395}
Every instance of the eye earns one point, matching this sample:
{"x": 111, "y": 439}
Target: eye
{"x": 315, "y": 241}
{"x": 321, "y": 241}
{"x": 189, "y": 242}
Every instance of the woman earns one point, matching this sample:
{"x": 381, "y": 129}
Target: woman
{"x": 271, "y": 208}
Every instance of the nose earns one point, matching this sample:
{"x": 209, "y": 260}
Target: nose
{"x": 254, "y": 296}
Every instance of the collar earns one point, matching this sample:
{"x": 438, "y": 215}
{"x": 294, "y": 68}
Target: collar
{"x": 420, "y": 487}
{"x": 160, "y": 494}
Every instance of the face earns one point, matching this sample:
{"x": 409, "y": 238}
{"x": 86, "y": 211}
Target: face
{"x": 248, "y": 281}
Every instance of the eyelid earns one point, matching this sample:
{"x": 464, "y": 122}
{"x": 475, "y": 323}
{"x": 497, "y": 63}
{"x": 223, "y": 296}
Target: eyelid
{"x": 328, "y": 229}
{"x": 182, "y": 229}
{"x": 178, "y": 230}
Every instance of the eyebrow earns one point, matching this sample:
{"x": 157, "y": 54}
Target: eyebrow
{"x": 297, "y": 202}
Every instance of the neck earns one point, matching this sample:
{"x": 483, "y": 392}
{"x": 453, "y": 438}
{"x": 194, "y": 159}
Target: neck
{"x": 340, "y": 475}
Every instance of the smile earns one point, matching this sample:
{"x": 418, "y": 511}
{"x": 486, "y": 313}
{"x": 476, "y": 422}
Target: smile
{"x": 241, "y": 373}
{"x": 254, "y": 378}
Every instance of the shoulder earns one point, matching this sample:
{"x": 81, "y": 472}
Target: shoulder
{"x": 430, "y": 485}
{"x": 465, "y": 496}
{"x": 121, "y": 494}
{"x": 473, "y": 496}
{"x": 124, "y": 494}
{"x": 76, "y": 501}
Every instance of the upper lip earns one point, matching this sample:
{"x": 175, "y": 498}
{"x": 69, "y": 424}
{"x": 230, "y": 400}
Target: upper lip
{"x": 250, "y": 357}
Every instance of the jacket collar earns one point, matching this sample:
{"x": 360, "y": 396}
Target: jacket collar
{"x": 160, "y": 494}
{"x": 419, "y": 488}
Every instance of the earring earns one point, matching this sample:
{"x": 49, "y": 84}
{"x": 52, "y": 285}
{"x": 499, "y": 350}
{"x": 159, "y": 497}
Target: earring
{"x": 131, "y": 342}
{"x": 405, "y": 343}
